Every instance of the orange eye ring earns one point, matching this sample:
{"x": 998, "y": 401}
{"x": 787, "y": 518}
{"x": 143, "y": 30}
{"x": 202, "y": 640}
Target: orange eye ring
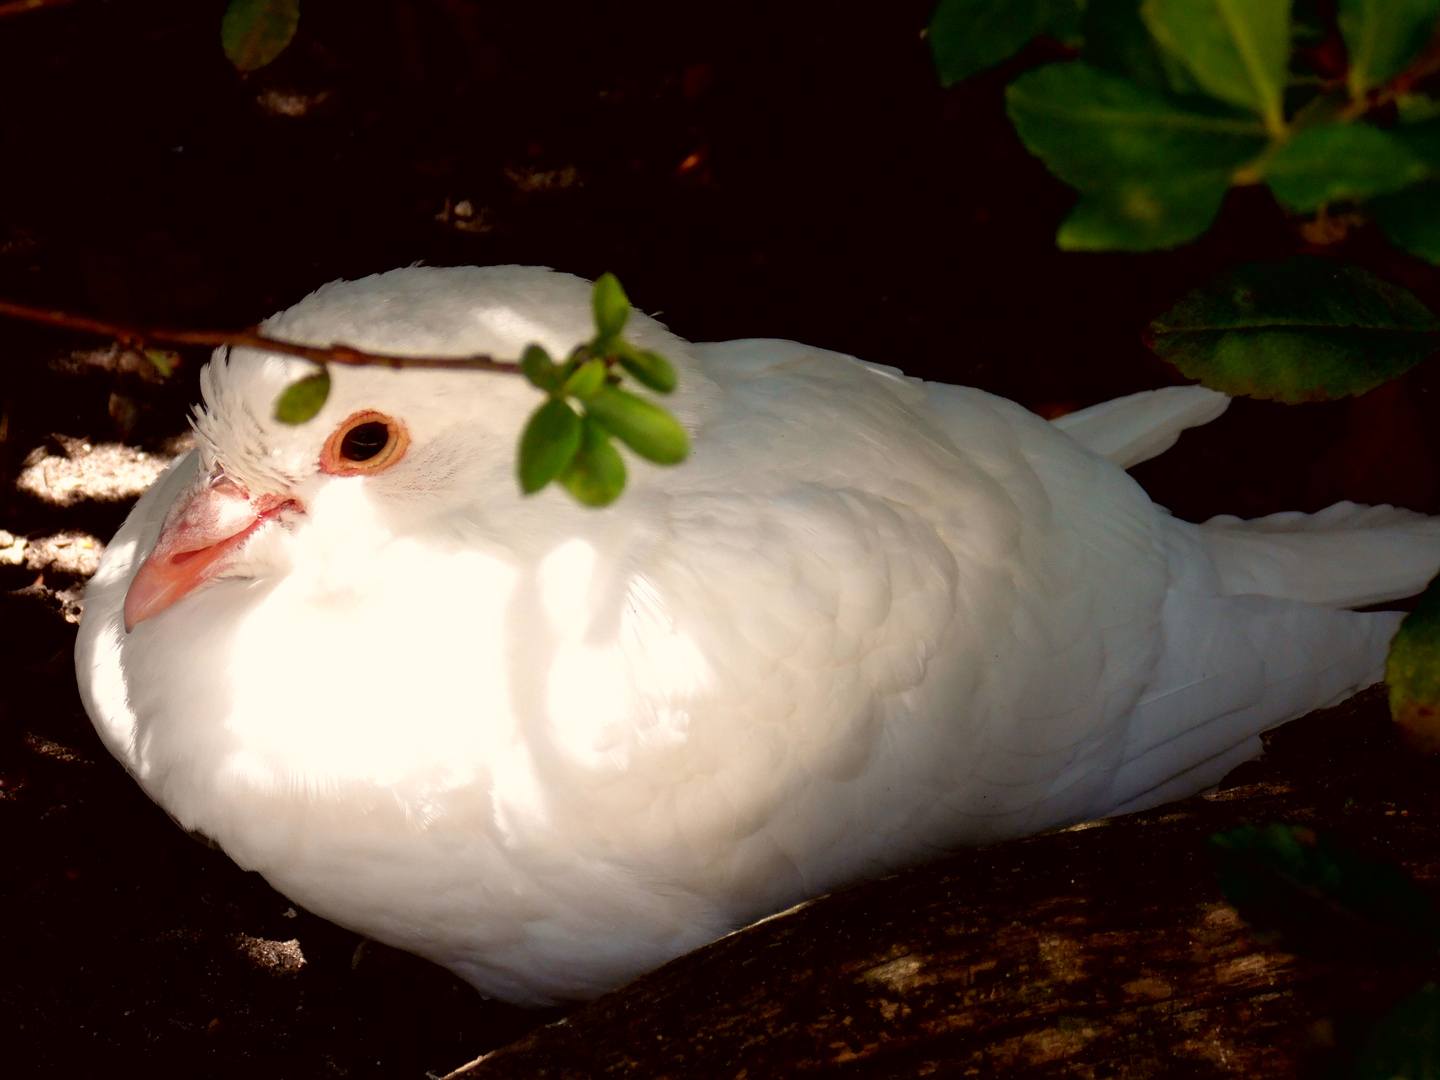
{"x": 367, "y": 442}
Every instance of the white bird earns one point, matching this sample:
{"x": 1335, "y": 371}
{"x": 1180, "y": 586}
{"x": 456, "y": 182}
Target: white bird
{"x": 549, "y": 747}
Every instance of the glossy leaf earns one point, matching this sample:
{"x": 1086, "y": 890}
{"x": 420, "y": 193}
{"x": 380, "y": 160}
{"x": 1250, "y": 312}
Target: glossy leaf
{"x": 301, "y": 400}
{"x": 255, "y": 32}
{"x": 1320, "y": 898}
{"x": 548, "y": 444}
{"x": 1382, "y": 37}
{"x": 1117, "y": 40}
{"x": 596, "y": 475}
{"x": 1093, "y": 128}
{"x": 968, "y": 36}
{"x": 611, "y": 305}
{"x": 649, "y": 369}
{"x": 1143, "y": 215}
{"x": 1411, "y": 220}
{"x": 1237, "y": 50}
{"x": 539, "y": 369}
{"x": 1341, "y": 161}
{"x": 1416, "y": 108}
{"x": 586, "y": 379}
{"x": 644, "y": 427}
{"x": 1405, "y": 1045}
{"x": 1413, "y": 671}
{"x": 1298, "y": 329}
{"x": 1421, "y": 139}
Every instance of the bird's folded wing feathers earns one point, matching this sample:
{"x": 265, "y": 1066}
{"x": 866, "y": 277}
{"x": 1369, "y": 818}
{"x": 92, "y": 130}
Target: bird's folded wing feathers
{"x": 1138, "y": 427}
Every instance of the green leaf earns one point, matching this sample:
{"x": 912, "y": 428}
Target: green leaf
{"x": 1117, "y": 40}
{"x": 539, "y": 369}
{"x": 1298, "y": 329}
{"x": 650, "y": 369}
{"x": 596, "y": 475}
{"x": 302, "y": 400}
{"x": 1238, "y": 50}
{"x": 968, "y": 36}
{"x": 1417, "y": 108}
{"x": 1341, "y": 161}
{"x": 1093, "y": 129}
{"x": 163, "y": 361}
{"x": 1422, "y": 139}
{"x": 612, "y": 306}
{"x": 1405, "y": 1045}
{"x": 587, "y": 379}
{"x": 548, "y": 444}
{"x": 1320, "y": 898}
{"x": 644, "y": 427}
{"x": 1411, "y": 220}
{"x": 1382, "y": 37}
{"x": 255, "y": 32}
{"x": 1143, "y": 215}
{"x": 1413, "y": 671}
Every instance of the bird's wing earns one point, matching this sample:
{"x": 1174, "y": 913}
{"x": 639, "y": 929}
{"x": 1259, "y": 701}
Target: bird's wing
{"x": 1137, "y": 427}
{"x": 900, "y": 585}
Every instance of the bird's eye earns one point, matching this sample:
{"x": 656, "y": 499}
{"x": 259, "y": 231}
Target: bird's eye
{"x": 366, "y": 442}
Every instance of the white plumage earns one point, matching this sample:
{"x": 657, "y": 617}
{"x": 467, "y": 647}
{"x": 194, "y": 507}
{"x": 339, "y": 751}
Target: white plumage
{"x": 871, "y": 619}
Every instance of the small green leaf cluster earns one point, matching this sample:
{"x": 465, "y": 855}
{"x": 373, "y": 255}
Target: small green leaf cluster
{"x": 568, "y": 438}
{"x": 1322, "y": 899}
{"x": 1170, "y": 103}
{"x": 254, "y": 32}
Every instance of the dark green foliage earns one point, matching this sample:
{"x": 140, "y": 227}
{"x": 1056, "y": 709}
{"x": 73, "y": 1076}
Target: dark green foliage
{"x": 968, "y": 36}
{"x": 1406, "y": 1044}
{"x": 1413, "y": 671}
{"x": 1236, "y": 52}
{"x": 255, "y": 32}
{"x": 1298, "y": 329}
{"x": 1383, "y": 37}
{"x": 1341, "y": 161}
{"x": 1173, "y": 102}
{"x": 1313, "y": 896}
{"x": 1152, "y": 174}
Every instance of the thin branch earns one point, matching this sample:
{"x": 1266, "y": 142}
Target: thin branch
{"x": 139, "y": 337}
{"x": 19, "y": 7}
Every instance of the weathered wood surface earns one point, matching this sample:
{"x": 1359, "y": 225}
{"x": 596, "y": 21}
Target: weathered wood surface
{"x": 1101, "y": 951}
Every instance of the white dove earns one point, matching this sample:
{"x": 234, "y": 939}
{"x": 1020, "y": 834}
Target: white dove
{"x": 549, "y": 747}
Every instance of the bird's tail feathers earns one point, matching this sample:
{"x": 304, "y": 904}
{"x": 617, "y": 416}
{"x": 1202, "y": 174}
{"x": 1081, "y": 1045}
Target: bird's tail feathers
{"x": 1232, "y": 667}
{"x": 1347, "y": 555}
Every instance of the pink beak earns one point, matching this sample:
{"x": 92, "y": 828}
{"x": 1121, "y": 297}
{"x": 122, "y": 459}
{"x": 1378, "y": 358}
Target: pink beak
{"x": 200, "y": 532}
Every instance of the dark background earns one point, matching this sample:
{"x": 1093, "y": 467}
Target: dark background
{"x": 747, "y": 169}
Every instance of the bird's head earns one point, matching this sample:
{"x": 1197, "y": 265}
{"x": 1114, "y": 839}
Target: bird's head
{"x": 407, "y": 442}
